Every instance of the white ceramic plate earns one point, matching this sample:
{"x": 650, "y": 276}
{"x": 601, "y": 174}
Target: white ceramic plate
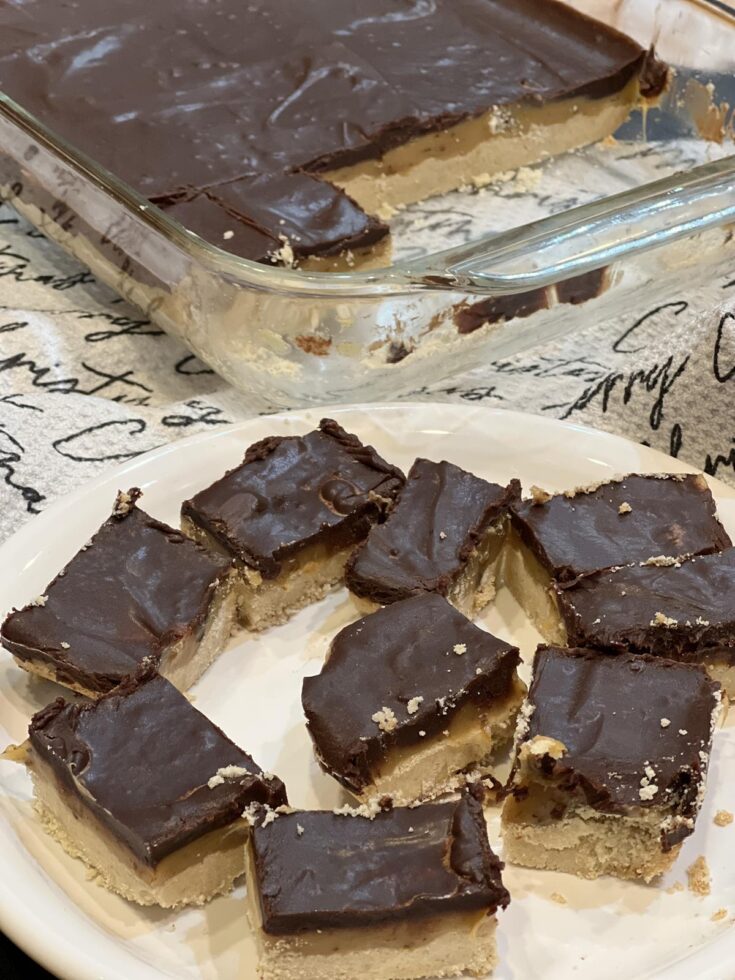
{"x": 607, "y": 930}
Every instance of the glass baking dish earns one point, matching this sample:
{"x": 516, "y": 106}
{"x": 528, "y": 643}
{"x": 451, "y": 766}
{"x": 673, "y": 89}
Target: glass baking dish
{"x": 531, "y": 256}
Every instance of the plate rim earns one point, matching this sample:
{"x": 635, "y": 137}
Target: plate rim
{"x": 70, "y": 961}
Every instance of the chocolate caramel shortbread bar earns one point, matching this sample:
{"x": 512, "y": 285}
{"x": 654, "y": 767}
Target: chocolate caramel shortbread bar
{"x": 559, "y": 537}
{"x": 146, "y": 791}
{"x": 682, "y": 609}
{"x": 410, "y": 699}
{"x": 410, "y": 893}
{"x": 612, "y": 759}
{"x": 138, "y": 591}
{"x": 445, "y": 535}
{"x": 291, "y": 514}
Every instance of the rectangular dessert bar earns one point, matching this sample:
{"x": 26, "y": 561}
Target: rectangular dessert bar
{"x": 290, "y": 514}
{"x": 612, "y": 759}
{"x": 557, "y": 538}
{"x": 146, "y": 791}
{"x": 411, "y": 893}
{"x": 137, "y": 591}
{"x": 261, "y": 218}
{"x": 683, "y": 610}
{"x": 445, "y": 535}
{"x": 410, "y": 699}
{"x": 391, "y": 100}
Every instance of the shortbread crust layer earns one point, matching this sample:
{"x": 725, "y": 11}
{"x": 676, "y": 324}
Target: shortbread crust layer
{"x": 587, "y": 843}
{"x": 473, "y": 152}
{"x": 146, "y": 790}
{"x": 193, "y": 875}
{"x": 307, "y": 578}
{"x": 611, "y": 765}
{"x": 532, "y": 588}
{"x": 405, "y": 894}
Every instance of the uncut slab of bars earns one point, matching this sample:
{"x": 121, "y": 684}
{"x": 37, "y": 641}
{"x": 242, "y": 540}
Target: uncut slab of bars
{"x": 680, "y": 609}
{"x": 557, "y": 538}
{"x": 251, "y": 122}
{"x": 291, "y": 514}
{"x": 410, "y": 700}
{"x": 410, "y": 893}
{"x": 445, "y": 535}
{"x": 146, "y": 791}
{"x": 612, "y": 759}
{"x": 138, "y": 591}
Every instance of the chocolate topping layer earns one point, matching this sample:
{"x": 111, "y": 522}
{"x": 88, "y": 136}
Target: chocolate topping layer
{"x": 135, "y": 589}
{"x": 679, "y": 611}
{"x": 255, "y": 217}
{"x": 141, "y": 758}
{"x": 498, "y": 308}
{"x": 178, "y": 94}
{"x": 495, "y": 309}
{"x": 293, "y": 491}
{"x": 389, "y": 660}
{"x": 441, "y": 515}
{"x": 579, "y": 289}
{"x": 347, "y": 872}
{"x": 209, "y": 219}
{"x": 630, "y": 519}
{"x": 316, "y": 218}
{"x": 619, "y": 717}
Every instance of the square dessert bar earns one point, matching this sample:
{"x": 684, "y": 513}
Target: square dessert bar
{"x": 137, "y": 591}
{"x": 291, "y": 514}
{"x": 444, "y": 535}
{"x": 146, "y": 791}
{"x": 410, "y": 893}
{"x": 261, "y": 218}
{"x": 411, "y": 699}
{"x": 558, "y": 538}
{"x": 683, "y": 610}
{"x": 612, "y": 758}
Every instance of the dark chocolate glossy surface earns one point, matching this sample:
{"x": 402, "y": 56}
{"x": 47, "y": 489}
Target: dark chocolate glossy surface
{"x": 405, "y": 863}
{"x": 136, "y": 588}
{"x": 323, "y": 488}
{"x": 387, "y": 660}
{"x": 180, "y": 94}
{"x": 631, "y": 519}
{"x": 680, "y": 611}
{"x": 208, "y": 219}
{"x": 424, "y": 545}
{"x": 141, "y": 758}
{"x": 254, "y": 217}
{"x": 620, "y": 716}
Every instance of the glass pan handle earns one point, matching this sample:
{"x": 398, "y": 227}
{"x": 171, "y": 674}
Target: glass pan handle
{"x": 585, "y": 238}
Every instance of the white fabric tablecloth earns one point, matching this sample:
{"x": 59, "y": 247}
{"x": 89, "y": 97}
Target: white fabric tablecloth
{"x": 86, "y": 382}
